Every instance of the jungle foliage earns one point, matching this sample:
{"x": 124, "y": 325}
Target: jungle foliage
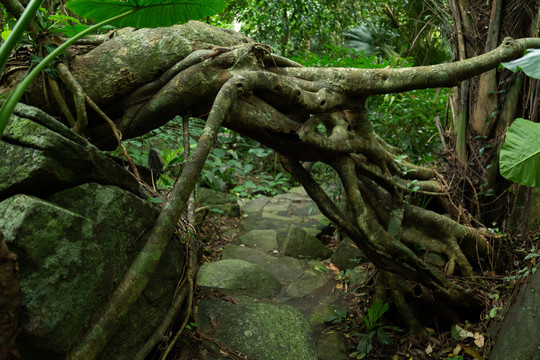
{"x": 332, "y": 116}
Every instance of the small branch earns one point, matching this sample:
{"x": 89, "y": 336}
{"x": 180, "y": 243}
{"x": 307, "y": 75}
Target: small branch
{"x": 383, "y": 81}
{"x": 117, "y": 135}
{"x": 191, "y": 273}
{"x": 79, "y": 96}
{"x": 159, "y": 334}
{"x": 191, "y": 200}
{"x": 59, "y": 97}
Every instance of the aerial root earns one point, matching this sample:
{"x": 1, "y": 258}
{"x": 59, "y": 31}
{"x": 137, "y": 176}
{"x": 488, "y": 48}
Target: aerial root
{"x": 78, "y": 95}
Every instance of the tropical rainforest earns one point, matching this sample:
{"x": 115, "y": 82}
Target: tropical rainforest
{"x": 390, "y": 114}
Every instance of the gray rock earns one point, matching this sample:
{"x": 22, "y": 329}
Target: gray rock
{"x": 255, "y": 205}
{"x": 263, "y": 240}
{"x": 108, "y": 205}
{"x": 259, "y": 330}
{"x": 219, "y": 203}
{"x": 69, "y": 267}
{"x": 235, "y": 274}
{"x": 347, "y": 255}
{"x": 519, "y": 332}
{"x": 76, "y": 221}
{"x": 41, "y": 156}
{"x": 298, "y": 243}
{"x": 285, "y": 269}
{"x": 332, "y": 345}
{"x": 308, "y": 283}
{"x": 276, "y": 207}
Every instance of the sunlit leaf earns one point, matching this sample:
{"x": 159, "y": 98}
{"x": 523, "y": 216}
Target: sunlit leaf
{"x": 479, "y": 340}
{"x": 529, "y": 63}
{"x": 520, "y": 155}
{"x": 462, "y": 333}
{"x": 149, "y": 13}
{"x": 5, "y": 34}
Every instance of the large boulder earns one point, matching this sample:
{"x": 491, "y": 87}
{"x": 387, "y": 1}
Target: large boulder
{"x": 258, "y": 330}
{"x": 299, "y": 243}
{"x": 76, "y": 220}
{"x": 41, "y": 156}
{"x": 347, "y": 255}
{"x": 519, "y": 334}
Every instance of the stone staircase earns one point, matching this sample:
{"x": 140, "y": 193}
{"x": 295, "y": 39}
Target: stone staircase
{"x": 269, "y": 295}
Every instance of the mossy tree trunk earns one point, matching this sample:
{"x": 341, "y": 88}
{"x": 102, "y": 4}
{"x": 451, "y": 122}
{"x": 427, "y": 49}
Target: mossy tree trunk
{"x": 304, "y": 114}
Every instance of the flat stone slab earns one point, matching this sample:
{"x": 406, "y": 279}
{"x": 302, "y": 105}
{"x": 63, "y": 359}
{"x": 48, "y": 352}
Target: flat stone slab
{"x": 299, "y": 190}
{"x": 234, "y": 274}
{"x": 263, "y": 240}
{"x": 308, "y": 283}
{"x": 288, "y": 219}
{"x": 299, "y": 243}
{"x": 309, "y": 208}
{"x": 255, "y": 204}
{"x": 285, "y": 269}
{"x": 276, "y": 206}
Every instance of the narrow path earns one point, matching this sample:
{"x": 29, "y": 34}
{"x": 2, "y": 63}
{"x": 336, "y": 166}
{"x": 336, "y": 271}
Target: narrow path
{"x": 275, "y": 289}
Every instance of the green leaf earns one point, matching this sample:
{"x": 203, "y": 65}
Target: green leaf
{"x": 383, "y": 338}
{"x": 5, "y": 34}
{"x": 529, "y": 63}
{"x": 520, "y": 155}
{"x": 149, "y": 13}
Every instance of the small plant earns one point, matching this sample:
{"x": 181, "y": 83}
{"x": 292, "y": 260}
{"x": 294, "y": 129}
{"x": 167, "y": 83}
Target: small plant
{"x": 338, "y": 317}
{"x": 375, "y": 330}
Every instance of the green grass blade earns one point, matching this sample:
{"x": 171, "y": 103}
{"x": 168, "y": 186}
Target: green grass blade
{"x": 17, "y": 31}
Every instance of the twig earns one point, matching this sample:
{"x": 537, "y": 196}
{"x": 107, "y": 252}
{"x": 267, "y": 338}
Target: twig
{"x": 191, "y": 271}
{"x": 78, "y": 94}
{"x": 117, "y": 135}
{"x": 159, "y": 334}
{"x": 57, "y": 93}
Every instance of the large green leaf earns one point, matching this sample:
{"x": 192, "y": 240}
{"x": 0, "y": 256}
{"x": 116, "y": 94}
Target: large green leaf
{"x": 520, "y": 155}
{"x": 529, "y": 63}
{"x": 149, "y": 13}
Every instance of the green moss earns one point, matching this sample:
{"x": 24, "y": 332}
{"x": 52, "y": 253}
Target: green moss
{"x": 259, "y": 330}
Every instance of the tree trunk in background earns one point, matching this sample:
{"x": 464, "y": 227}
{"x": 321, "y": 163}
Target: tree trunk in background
{"x": 484, "y": 106}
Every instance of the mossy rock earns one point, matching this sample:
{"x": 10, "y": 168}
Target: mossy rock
{"x": 259, "y": 330}
{"x": 299, "y": 243}
{"x": 235, "y": 274}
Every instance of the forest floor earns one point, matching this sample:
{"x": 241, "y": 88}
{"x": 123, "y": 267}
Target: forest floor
{"x": 465, "y": 339}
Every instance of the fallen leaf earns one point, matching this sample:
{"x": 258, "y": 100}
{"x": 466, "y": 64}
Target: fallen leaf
{"x": 479, "y": 340}
{"x": 429, "y": 349}
{"x": 463, "y": 333}
{"x": 469, "y": 350}
{"x": 333, "y": 267}
{"x": 457, "y": 350}
{"x": 230, "y": 299}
